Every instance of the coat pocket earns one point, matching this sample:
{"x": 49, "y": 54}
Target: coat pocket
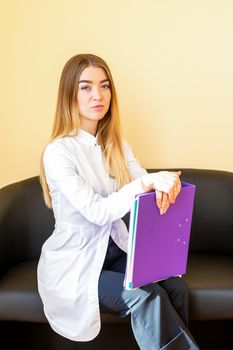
{"x": 60, "y": 273}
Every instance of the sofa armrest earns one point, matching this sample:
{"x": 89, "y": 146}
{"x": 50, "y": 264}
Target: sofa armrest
{"x": 13, "y": 226}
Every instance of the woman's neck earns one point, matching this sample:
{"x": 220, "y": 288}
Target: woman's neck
{"x": 89, "y": 126}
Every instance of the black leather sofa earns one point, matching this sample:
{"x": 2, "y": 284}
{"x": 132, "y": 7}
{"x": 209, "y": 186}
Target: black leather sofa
{"x": 25, "y": 223}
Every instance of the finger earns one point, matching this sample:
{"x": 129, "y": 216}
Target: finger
{"x": 177, "y": 190}
{"x": 166, "y": 206}
{"x": 172, "y": 195}
{"x": 164, "y": 200}
{"x": 173, "y": 192}
{"x": 165, "y": 203}
{"x": 159, "y": 196}
{"x": 177, "y": 187}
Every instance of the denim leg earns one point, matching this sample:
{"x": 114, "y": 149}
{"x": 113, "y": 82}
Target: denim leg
{"x": 155, "y": 323}
{"x": 178, "y": 294}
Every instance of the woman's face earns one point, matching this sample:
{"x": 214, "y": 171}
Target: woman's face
{"x": 94, "y": 96}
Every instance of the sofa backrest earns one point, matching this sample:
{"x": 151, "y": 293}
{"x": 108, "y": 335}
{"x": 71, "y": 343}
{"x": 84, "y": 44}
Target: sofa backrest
{"x": 25, "y": 222}
{"x": 212, "y": 222}
{"x": 212, "y": 227}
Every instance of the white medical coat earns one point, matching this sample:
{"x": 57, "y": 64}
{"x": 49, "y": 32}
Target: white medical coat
{"x": 87, "y": 210}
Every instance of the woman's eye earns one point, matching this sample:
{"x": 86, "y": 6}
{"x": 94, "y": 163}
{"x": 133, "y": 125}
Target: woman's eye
{"x": 85, "y": 87}
{"x": 105, "y": 86}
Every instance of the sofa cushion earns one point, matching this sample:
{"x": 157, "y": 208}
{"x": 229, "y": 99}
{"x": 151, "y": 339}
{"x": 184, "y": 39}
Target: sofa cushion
{"x": 210, "y": 279}
{"x": 19, "y": 298}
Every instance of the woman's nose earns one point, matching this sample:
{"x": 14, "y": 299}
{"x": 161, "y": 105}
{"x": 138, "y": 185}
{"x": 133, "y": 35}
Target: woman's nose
{"x": 97, "y": 95}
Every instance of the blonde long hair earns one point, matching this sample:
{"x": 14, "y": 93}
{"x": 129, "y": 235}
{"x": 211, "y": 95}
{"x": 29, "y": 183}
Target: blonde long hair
{"x": 67, "y": 120}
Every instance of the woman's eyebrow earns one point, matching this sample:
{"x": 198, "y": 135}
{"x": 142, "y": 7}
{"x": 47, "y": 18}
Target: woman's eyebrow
{"x": 91, "y": 82}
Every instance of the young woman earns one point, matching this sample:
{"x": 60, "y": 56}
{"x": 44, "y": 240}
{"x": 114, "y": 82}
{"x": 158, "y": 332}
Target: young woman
{"x": 90, "y": 177}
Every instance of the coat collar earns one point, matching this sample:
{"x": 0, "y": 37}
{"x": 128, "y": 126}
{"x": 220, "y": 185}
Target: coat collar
{"x": 87, "y": 138}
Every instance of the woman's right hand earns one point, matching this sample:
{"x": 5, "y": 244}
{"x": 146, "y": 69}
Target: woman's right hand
{"x": 167, "y": 186}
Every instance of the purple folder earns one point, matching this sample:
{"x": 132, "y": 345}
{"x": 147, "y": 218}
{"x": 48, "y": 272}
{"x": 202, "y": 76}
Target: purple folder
{"x": 158, "y": 244}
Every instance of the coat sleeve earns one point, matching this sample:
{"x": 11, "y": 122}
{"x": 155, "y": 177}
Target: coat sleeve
{"x": 134, "y": 166}
{"x": 62, "y": 176}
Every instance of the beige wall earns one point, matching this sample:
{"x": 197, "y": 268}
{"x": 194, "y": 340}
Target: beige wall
{"x": 172, "y": 61}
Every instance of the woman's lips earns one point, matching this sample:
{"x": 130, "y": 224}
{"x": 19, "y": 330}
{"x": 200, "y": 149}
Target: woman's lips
{"x": 98, "y": 107}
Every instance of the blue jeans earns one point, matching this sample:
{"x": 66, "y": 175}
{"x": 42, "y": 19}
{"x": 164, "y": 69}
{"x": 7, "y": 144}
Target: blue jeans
{"x": 159, "y": 311}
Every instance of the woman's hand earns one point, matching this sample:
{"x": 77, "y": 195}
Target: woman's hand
{"x": 167, "y": 186}
{"x": 162, "y": 201}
